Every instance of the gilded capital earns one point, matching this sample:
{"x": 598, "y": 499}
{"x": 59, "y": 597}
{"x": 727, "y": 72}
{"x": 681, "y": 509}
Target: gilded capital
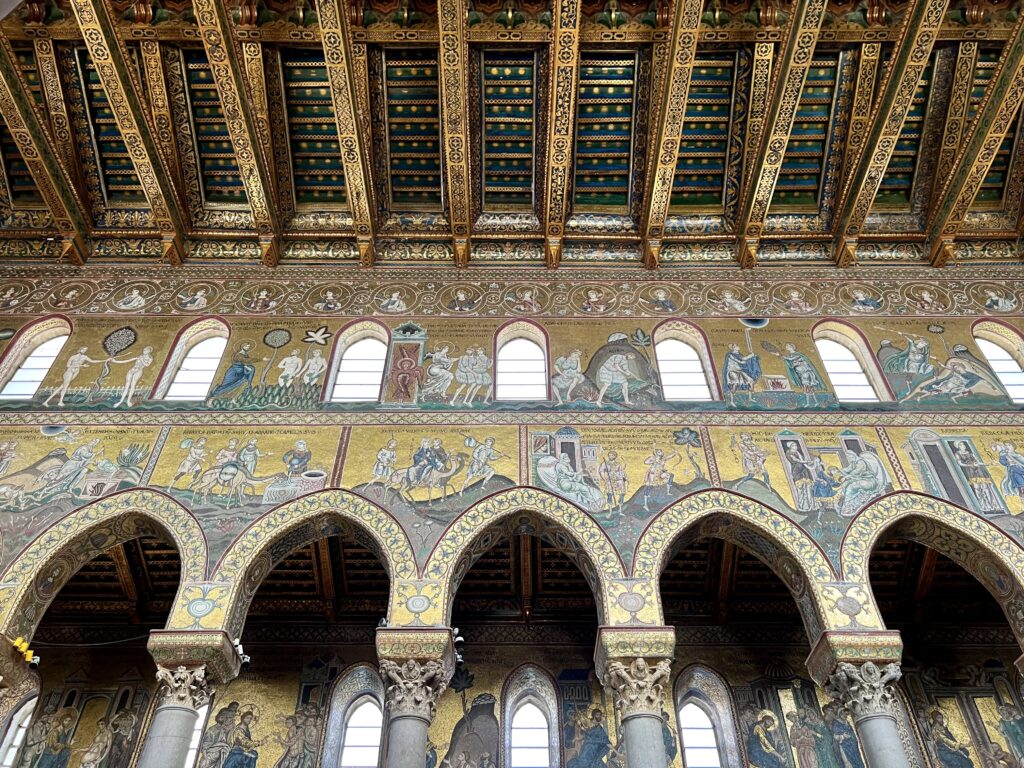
{"x": 638, "y": 687}
{"x": 184, "y": 686}
{"x": 412, "y": 688}
{"x": 865, "y": 690}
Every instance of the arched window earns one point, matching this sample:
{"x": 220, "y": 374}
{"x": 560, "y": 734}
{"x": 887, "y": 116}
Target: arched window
{"x": 197, "y": 736}
{"x": 1003, "y": 348}
{"x": 682, "y": 372}
{"x": 30, "y": 357}
{"x": 521, "y": 369}
{"x": 360, "y": 372}
{"x": 15, "y": 735}
{"x": 700, "y": 742}
{"x": 360, "y": 746}
{"x": 192, "y": 365}
{"x": 529, "y": 740}
{"x": 851, "y": 370}
{"x": 684, "y": 365}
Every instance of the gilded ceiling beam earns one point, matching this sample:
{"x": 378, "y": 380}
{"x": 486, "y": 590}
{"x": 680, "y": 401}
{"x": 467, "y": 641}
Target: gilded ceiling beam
{"x": 863, "y": 101}
{"x": 334, "y": 26}
{"x": 160, "y": 104}
{"x": 256, "y": 78}
{"x": 957, "y": 110}
{"x": 215, "y": 30}
{"x": 794, "y": 60}
{"x": 565, "y": 55}
{"x": 760, "y": 85}
{"x": 999, "y": 105}
{"x": 671, "y": 112}
{"x": 917, "y": 38}
{"x": 51, "y": 175}
{"x": 454, "y": 75}
{"x": 56, "y": 106}
{"x": 111, "y": 61}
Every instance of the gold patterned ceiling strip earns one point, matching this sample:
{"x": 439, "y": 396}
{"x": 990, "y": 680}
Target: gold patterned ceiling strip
{"x": 35, "y": 143}
{"x": 790, "y": 74}
{"x": 354, "y": 148}
{"x": 671, "y": 113}
{"x": 56, "y": 106}
{"x": 216, "y": 32}
{"x": 565, "y": 55}
{"x": 867, "y": 167}
{"x": 454, "y": 77}
{"x": 110, "y": 60}
{"x": 957, "y": 111}
{"x": 160, "y": 103}
{"x": 1002, "y": 100}
{"x": 255, "y": 76}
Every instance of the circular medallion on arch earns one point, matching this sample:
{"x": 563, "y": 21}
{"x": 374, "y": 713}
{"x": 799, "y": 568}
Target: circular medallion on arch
{"x": 417, "y": 603}
{"x": 201, "y": 607}
{"x": 631, "y": 602}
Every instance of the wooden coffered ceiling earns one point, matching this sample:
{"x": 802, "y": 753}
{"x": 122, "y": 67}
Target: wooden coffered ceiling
{"x": 512, "y": 130}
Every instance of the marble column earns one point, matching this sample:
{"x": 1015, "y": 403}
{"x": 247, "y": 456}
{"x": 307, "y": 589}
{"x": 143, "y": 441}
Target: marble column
{"x": 638, "y": 690}
{"x": 411, "y": 692}
{"x": 184, "y": 691}
{"x": 867, "y": 692}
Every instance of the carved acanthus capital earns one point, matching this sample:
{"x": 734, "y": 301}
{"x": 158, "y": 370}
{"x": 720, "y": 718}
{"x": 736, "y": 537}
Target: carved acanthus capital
{"x": 184, "y": 686}
{"x": 639, "y": 687}
{"x": 866, "y": 690}
{"x": 412, "y": 688}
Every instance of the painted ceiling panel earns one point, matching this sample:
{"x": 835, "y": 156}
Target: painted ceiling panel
{"x": 993, "y": 188}
{"x": 317, "y": 170}
{"x": 20, "y": 184}
{"x": 413, "y": 129}
{"x": 604, "y": 131}
{"x": 509, "y": 107}
{"x": 221, "y": 180}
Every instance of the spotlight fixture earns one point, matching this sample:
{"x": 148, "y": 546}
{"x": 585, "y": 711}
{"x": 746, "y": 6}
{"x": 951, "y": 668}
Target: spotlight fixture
{"x": 244, "y": 657}
{"x": 27, "y": 653}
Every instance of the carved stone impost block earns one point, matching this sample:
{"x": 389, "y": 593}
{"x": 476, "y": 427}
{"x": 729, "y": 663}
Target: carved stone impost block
{"x": 416, "y": 665}
{"x": 210, "y": 649}
{"x": 184, "y": 686}
{"x": 634, "y": 665}
{"x": 865, "y": 690}
{"x": 832, "y": 647}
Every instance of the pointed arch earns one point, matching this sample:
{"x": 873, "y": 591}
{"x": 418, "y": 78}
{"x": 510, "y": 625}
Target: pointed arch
{"x": 695, "y": 340}
{"x": 529, "y": 684}
{"x": 203, "y": 329}
{"x": 767, "y": 534}
{"x": 704, "y": 688}
{"x": 30, "y": 583}
{"x": 350, "y": 335}
{"x": 523, "y": 372}
{"x": 525, "y": 510}
{"x": 1002, "y": 346}
{"x": 355, "y": 685}
{"x": 298, "y": 523}
{"x": 851, "y": 341}
{"x": 26, "y": 342}
{"x": 972, "y": 542}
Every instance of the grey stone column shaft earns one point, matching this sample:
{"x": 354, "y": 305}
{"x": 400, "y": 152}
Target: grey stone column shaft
{"x": 644, "y": 746}
{"x": 406, "y": 742}
{"x": 879, "y": 738}
{"x": 411, "y": 694}
{"x": 169, "y": 736}
{"x": 867, "y": 694}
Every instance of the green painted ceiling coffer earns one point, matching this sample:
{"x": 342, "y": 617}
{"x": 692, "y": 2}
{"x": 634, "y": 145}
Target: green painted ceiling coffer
{"x": 221, "y": 179}
{"x": 317, "y": 170}
{"x": 21, "y": 187}
{"x": 897, "y": 187}
{"x": 704, "y": 148}
{"x": 993, "y": 188}
{"x": 413, "y": 129}
{"x": 120, "y": 183}
{"x": 605, "y": 113}
{"x": 804, "y": 162}
{"x": 509, "y": 92}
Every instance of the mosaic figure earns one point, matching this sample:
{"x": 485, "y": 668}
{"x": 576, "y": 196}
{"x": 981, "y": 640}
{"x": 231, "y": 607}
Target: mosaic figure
{"x": 98, "y": 750}
{"x": 762, "y": 748}
{"x": 657, "y": 475}
{"x": 239, "y": 374}
{"x": 462, "y": 302}
{"x": 801, "y": 372}
{"x": 752, "y": 458}
{"x": 439, "y": 374}
{"x": 844, "y": 738}
{"x": 999, "y": 302}
{"x": 1013, "y": 463}
{"x": 195, "y": 301}
{"x": 132, "y": 301}
{"x": 865, "y": 478}
{"x": 568, "y": 376}
{"x": 740, "y": 373}
{"x": 660, "y": 301}
{"x": 192, "y": 464}
{"x": 613, "y": 477}
{"x": 595, "y": 302}
{"x": 862, "y": 302}
{"x": 525, "y": 302}
{"x": 328, "y": 303}
{"x": 480, "y": 462}
{"x": 140, "y": 363}
{"x": 244, "y": 749}
{"x": 74, "y": 366}
{"x": 593, "y": 743}
{"x": 290, "y": 367}
{"x": 393, "y": 303}
{"x": 615, "y": 372}
{"x": 950, "y": 752}
{"x": 1011, "y": 725}
{"x": 214, "y": 747}
{"x": 56, "y": 751}
{"x": 977, "y": 475}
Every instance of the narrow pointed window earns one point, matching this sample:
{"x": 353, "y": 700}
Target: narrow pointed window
{"x": 522, "y": 371}
{"x": 361, "y": 744}
{"x": 30, "y": 374}
{"x": 1005, "y": 365}
{"x": 529, "y": 743}
{"x": 845, "y": 373}
{"x": 682, "y": 372}
{"x": 360, "y": 372}
{"x": 700, "y": 742}
{"x": 15, "y": 735}
{"x": 195, "y": 375}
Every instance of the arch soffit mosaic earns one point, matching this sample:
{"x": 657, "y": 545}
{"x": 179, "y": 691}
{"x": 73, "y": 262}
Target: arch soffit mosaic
{"x": 982, "y": 549}
{"x": 35, "y": 577}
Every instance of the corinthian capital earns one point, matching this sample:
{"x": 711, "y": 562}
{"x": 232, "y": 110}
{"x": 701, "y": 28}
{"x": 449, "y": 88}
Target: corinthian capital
{"x": 866, "y": 690}
{"x": 185, "y": 686}
{"x": 638, "y": 689}
{"x": 413, "y": 687}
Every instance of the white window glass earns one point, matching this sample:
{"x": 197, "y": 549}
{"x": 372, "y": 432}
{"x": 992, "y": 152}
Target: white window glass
{"x": 194, "y": 376}
{"x": 844, "y": 371}
{"x": 700, "y": 744}
{"x": 1005, "y": 368}
{"x": 360, "y": 372}
{"x": 197, "y": 737}
{"x": 30, "y": 374}
{"x": 15, "y": 735}
{"x": 682, "y": 373}
{"x": 521, "y": 372}
{"x": 361, "y": 744}
{"x": 529, "y": 741}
